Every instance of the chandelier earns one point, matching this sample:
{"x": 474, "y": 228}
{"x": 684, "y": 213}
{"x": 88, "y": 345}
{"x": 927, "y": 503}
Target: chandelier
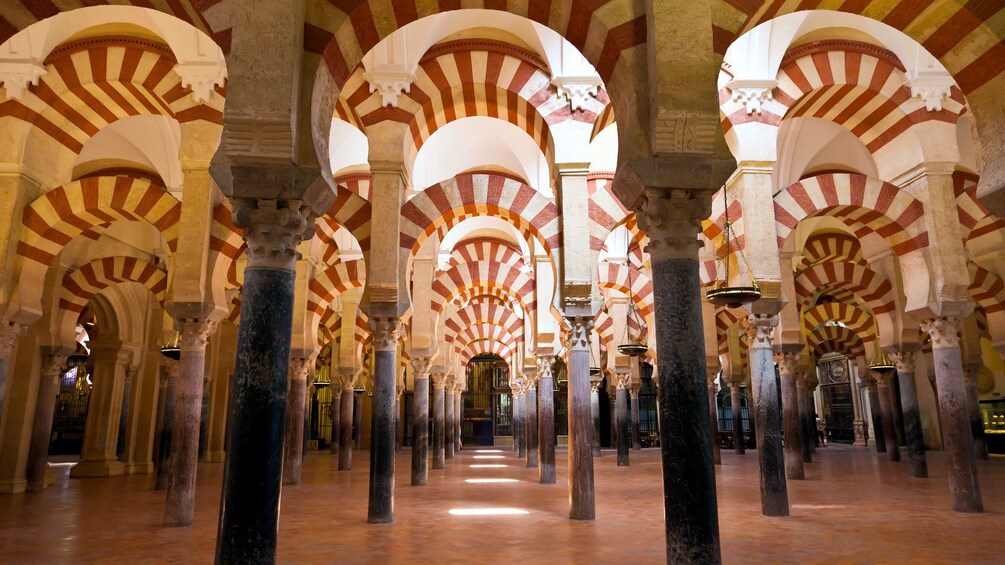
{"x": 723, "y": 294}
{"x": 171, "y": 350}
{"x": 881, "y": 363}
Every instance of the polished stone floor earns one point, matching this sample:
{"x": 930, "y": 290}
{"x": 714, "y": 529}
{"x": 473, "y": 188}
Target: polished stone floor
{"x": 854, "y": 507}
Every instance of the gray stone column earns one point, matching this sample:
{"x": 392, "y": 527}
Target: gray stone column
{"x": 127, "y": 393}
{"x": 41, "y": 431}
{"x": 530, "y": 395}
{"x": 774, "y": 492}
{"x": 672, "y": 219}
{"x": 886, "y": 408}
{"x": 633, "y": 394}
{"x": 970, "y": 373}
{"x": 180, "y": 501}
{"x": 546, "y": 419}
{"x": 9, "y": 334}
{"x": 295, "y": 408}
{"x": 904, "y": 358}
{"x": 252, "y": 484}
{"x": 957, "y": 436}
{"x": 787, "y": 357}
{"x": 876, "y": 413}
{"x": 336, "y": 412}
{"x": 458, "y": 416}
{"x": 420, "y": 421}
{"x": 169, "y": 373}
{"x": 712, "y": 373}
{"x": 346, "y": 419}
{"x": 805, "y": 401}
{"x": 622, "y": 418}
{"x": 582, "y": 504}
{"x": 595, "y": 413}
{"x": 520, "y": 419}
{"x": 736, "y": 406}
{"x": 385, "y": 331}
{"x": 439, "y": 382}
{"x": 448, "y": 421}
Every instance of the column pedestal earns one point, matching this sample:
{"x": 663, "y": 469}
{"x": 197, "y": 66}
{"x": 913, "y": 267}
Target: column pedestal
{"x": 774, "y": 492}
{"x": 420, "y": 422}
{"x": 546, "y": 420}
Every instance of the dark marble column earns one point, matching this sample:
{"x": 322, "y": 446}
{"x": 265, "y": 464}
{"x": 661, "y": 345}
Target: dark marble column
{"x": 622, "y": 419}
{"x": 545, "y": 420}
{"x": 169, "y": 372}
{"x": 530, "y": 418}
{"x": 582, "y": 504}
{"x": 458, "y": 416}
{"x": 633, "y": 396}
{"x": 448, "y": 421}
{"x": 595, "y": 413}
{"x": 767, "y": 429}
{"x": 420, "y": 422}
{"x": 712, "y": 373}
{"x": 385, "y": 332}
{"x": 672, "y": 219}
{"x": 970, "y": 373}
{"x": 249, "y": 513}
{"x": 336, "y": 413}
{"x": 357, "y": 421}
{"x": 346, "y": 418}
{"x": 904, "y": 358}
{"x": 787, "y": 357}
{"x": 180, "y": 502}
{"x": 520, "y": 409}
{"x": 439, "y": 383}
{"x": 736, "y": 404}
{"x": 957, "y": 435}
{"x": 41, "y": 431}
{"x": 296, "y": 402}
{"x": 805, "y": 401}
{"x": 886, "y": 408}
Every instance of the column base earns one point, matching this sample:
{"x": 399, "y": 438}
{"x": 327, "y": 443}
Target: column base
{"x": 861, "y": 440}
{"x": 214, "y": 456}
{"x": 103, "y": 468}
{"x": 13, "y": 486}
{"x": 139, "y": 468}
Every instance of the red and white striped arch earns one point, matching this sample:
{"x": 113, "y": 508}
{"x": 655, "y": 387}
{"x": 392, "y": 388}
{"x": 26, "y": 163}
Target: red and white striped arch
{"x": 606, "y": 211}
{"x": 331, "y": 330}
{"x": 866, "y": 204}
{"x": 487, "y": 249}
{"x": 334, "y": 280}
{"x": 358, "y": 183}
{"x": 444, "y": 205}
{"x": 603, "y": 325}
{"x": 482, "y": 331}
{"x": 615, "y": 276}
{"x": 350, "y": 211}
{"x": 492, "y": 314}
{"x": 869, "y": 286}
{"x": 484, "y": 346}
{"x": 835, "y": 339}
{"x": 93, "y": 82}
{"x": 483, "y": 276}
{"x": 987, "y": 289}
{"x": 830, "y": 246}
{"x": 975, "y": 219}
{"x": 858, "y": 320}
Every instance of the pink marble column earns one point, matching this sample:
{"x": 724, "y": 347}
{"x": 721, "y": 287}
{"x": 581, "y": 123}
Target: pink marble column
{"x": 787, "y": 357}
{"x": 296, "y": 399}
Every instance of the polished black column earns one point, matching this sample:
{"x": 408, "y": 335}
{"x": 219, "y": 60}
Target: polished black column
{"x": 787, "y": 358}
{"x": 169, "y": 372}
{"x": 545, "y": 420}
{"x": 736, "y": 406}
{"x": 530, "y": 418}
{"x": 249, "y": 513}
{"x": 295, "y": 413}
{"x": 767, "y": 416}
{"x": 385, "y": 343}
{"x": 582, "y": 504}
{"x": 439, "y": 382}
{"x": 957, "y": 435}
{"x": 622, "y": 417}
{"x": 420, "y": 422}
{"x": 904, "y": 358}
{"x": 41, "y": 430}
{"x": 520, "y": 420}
{"x": 886, "y": 408}
{"x": 448, "y": 422}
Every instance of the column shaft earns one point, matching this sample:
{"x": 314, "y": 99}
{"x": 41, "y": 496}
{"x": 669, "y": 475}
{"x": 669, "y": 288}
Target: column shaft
{"x": 879, "y": 437}
{"x": 546, "y": 421}
{"x": 295, "y": 409}
{"x": 385, "y": 337}
{"x": 805, "y": 421}
{"x": 791, "y": 422}
{"x": 170, "y": 374}
{"x": 448, "y": 426}
{"x": 736, "y": 403}
{"x": 336, "y": 413}
{"x": 912, "y": 424}
{"x": 767, "y": 420}
{"x": 458, "y": 414}
{"x": 520, "y": 435}
{"x": 582, "y": 505}
{"x": 636, "y": 425}
{"x": 531, "y": 428}
{"x": 713, "y": 423}
{"x": 420, "y": 426}
{"x": 41, "y": 431}
{"x": 974, "y": 411}
{"x": 886, "y": 407}
{"x": 345, "y": 428}
{"x": 438, "y": 430}
{"x": 595, "y": 414}
{"x": 622, "y": 422}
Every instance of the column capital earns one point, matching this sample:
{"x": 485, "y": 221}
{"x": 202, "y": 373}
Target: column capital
{"x": 52, "y": 364}
{"x": 422, "y": 366}
{"x": 386, "y": 330}
{"x": 759, "y": 330}
{"x": 9, "y": 334}
{"x": 672, "y": 219}
{"x": 272, "y": 229}
{"x": 787, "y": 361}
{"x": 544, "y": 370}
{"x": 594, "y": 387}
{"x": 171, "y": 368}
{"x": 711, "y": 373}
{"x": 903, "y": 359}
{"x": 882, "y": 379}
{"x": 299, "y": 367}
{"x": 347, "y": 376}
{"x": 945, "y": 332}
{"x": 633, "y": 392}
{"x": 623, "y": 380}
{"x": 439, "y": 379}
{"x": 579, "y": 336}
{"x": 194, "y": 333}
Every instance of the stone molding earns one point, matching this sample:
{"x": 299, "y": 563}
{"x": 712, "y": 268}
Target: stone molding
{"x": 439, "y": 380}
{"x": 389, "y": 83}
{"x": 752, "y": 93}
{"x": 422, "y": 366}
{"x": 272, "y": 229}
{"x": 544, "y": 370}
{"x": 385, "y": 330}
{"x": 787, "y": 361}
{"x": 577, "y": 90}
{"x": 623, "y": 380}
{"x": 759, "y": 330}
{"x": 201, "y": 79}
{"x": 945, "y": 332}
{"x": 16, "y": 76}
{"x": 672, "y": 220}
{"x": 348, "y": 379}
{"x": 633, "y": 392}
{"x": 932, "y": 90}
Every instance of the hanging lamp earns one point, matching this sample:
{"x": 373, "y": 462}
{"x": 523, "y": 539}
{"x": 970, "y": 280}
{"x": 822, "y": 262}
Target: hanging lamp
{"x": 632, "y": 347}
{"x": 881, "y": 363}
{"x": 725, "y": 295}
{"x": 171, "y": 350}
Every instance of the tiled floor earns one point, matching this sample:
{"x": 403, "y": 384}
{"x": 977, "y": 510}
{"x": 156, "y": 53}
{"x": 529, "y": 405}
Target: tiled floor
{"x": 855, "y": 507}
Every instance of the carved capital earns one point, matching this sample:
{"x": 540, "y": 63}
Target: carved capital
{"x": 577, "y": 90}
{"x": 752, "y": 93}
{"x": 171, "y": 368}
{"x": 544, "y": 370}
{"x": 579, "y": 336}
{"x": 389, "y": 83}
{"x": 945, "y": 332}
{"x": 201, "y": 78}
{"x": 272, "y": 229}
{"x": 882, "y": 380}
{"x": 17, "y": 75}
{"x": 385, "y": 332}
{"x": 787, "y": 361}
{"x": 594, "y": 387}
{"x": 422, "y": 366}
{"x": 348, "y": 379}
{"x": 193, "y": 334}
{"x": 299, "y": 367}
{"x": 623, "y": 380}
{"x": 529, "y": 381}
{"x": 904, "y": 359}
{"x": 439, "y": 379}
{"x": 52, "y": 365}
{"x": 932, "y": 90}
{"x": 759, "y": 330}
{"x": 672, "y": 220}
{"x": 9, "y": 334}
{"x": 633, "y": 392}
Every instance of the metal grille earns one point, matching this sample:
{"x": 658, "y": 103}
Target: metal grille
{"x": 71, "y": 412}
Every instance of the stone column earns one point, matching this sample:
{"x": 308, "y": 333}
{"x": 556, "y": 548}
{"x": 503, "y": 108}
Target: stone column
{"x": 519, "y": 419}
{"x": 974, "y": 410}
{"x": 295, "y": 408}
{"x": 448, "y": 421}
{"x": 385, "y": 332}
{"x": 439, "y": 382}
{"x": 622, "y": 419}
{"x": 672, "y": 219}
{"x": 872, "y": 390}
{"x": 904, "y": 359}
{"x": 582, "y": 504}
{"x": 9, "y": 334}
{"x": 420, "y": 421}
{"x": 101, "y": 431}
{"x": 399, "y": 393}
{"x": 633, "y": 393}
{"x": 804, "y": 400}
{"x": 336, "y": 413}
{"x": 546, "y": 419}
{"x": 127, "y": 392}
{"x": 530, "y": 396}
{"x": 595, "y": 413}
{"x": 249, "y": 515}
{"x": 963, "y": 484}
{"x": 859, "y": 428}
{"x": 346, "y": 419}
{"x": 458, "y": 415}
{"x": 736, "y": 404}
{"x": 886, "y": 408}
{"x": 787, "y": 357}
{"x": 712, "y": 373}
{"x": 180, "y": 503}
{"x": 774, "y": 493}
{"x": 169, "y": 374}
{"x": 41, "y": 431}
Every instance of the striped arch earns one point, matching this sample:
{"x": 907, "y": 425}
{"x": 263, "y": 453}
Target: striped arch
{"x": 852, "y": 317}
{"x": 358, "y": 183}
{"x": 835, "y": 339}
{"x": 866, "y": 284}
{"x": 975, "y": 220}
{"x": 606, "y": 211}
{"x": 331, "y": 330}
{"x": 987, "y": 289}
{"x": 93, "y": 82}
{"x": 487, "y": 331}
{"x": 487, "y": 249}
{"x": 603, "y": 325}
{"x": 350, "y": 211}
{"x": 484, "y": 346}
{"x": 483, "y": 275}
{"x": 329, "y": 283}
{"x": 868, "y": 204}
{"x": 483, "y": 313}
{"x": 604, "y": 120}
{"x": 823, "y": 247}
{"x": 444, "y": 205}
{"x": 226, "y": 245}
{"x": 493, "y": 295}
{"x": 615, "y": 277}
{"x": 726, "y": 318}
{"x": 345, "y": 112}
{"x": 707, "y": 268}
